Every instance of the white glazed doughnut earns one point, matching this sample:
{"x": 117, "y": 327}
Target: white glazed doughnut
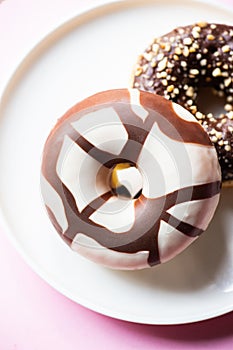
{"x": 129, "y": 179}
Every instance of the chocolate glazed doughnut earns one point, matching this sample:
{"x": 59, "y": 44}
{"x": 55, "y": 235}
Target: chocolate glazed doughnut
{"x": 177, "y": 64}
{"x": 114, "y": 184}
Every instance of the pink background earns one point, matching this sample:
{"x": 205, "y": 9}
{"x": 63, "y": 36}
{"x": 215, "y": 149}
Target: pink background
{"x": 33, "y": 316}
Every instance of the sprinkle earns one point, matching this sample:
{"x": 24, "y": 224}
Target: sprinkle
{"x": 183, "y": 64}
{"x": 212, "y": 132}
{"x": 196, "y": 29}
{"x": 178, "y": 51}
{"x": 227, "y": 82}
{"x": 221, "y": 143}
{"x": 228, "y": 107}
{"x": 150, "y": 83}
{"x": 162, "y": 64}
{"x": 225, "y": 74}
{"x": 187, "y": 41}
{"x": 170, "y": 65}
{"x": 218, "y": 134}
{"x": 210, "y": 37}
{"x": 153, "y": 63}
{"x": 190, "y": 91}
{"x": 155, "y": 48}
{"x": 176, "y": 91}
{"x": 160, "y": 57}
{"x": 195, "y": 45}
{"x": 226, "y": 48}
{"x": 230, "y": 115}
{"x": 138, "y": 71}
{"x": 198, "y": 56}
{"x": 189, "y": 102}
{"x": 203, "y": 62}
{"x": 162, "y": 74}
{"x": 194, "y": 71}
{"x": 227, "y": 148}
{"x": 195, "y": 32}
{"x": 202, "y": 24}
{"x": 167, "y": 47}
{"x": 199, "y": 115}
{"x": 148, "y": 56}
{"x": 216, "y": 72}
{"x": 170, "y": 88}
{"x": 193, "y": 109}
{"x": 214, "y": 139}
{"x": 186, "y": 51}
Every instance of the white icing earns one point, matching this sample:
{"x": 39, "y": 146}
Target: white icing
{"x": 157, "y": 165}
{"x": 116, "y": 214}
{"x": 204, "y": 163}
{"x": 183, "y": 113}
{"x": 168, "y": 165}
{"x": 171, "y": 242}
{"x": 136, "y": 106}
{"x": 104, "y": 129}
{"x": 92, "y": 250}
{"x": 53, "y": 201}
{"x": 78, "y": 171}
{"x": 197, "y": 213}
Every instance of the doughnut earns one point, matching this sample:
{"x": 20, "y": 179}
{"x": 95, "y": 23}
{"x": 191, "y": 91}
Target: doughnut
{"x": 177, "y": 65}
{"x": 129, "y": 179}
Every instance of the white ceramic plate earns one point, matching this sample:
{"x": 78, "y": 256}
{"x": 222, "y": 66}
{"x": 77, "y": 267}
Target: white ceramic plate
{"x": 92, "y": 52}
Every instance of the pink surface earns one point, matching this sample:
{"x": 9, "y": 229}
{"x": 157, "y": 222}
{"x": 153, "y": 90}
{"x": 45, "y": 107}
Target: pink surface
{"x": 33, "y": 316}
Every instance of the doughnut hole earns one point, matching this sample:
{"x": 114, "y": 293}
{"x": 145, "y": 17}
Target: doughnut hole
{"x": 209, "y": 101}
{"x": 126, "y": 181}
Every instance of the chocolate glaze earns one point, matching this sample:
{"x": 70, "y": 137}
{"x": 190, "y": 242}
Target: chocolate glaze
{"x": 178, "y": 63}
{"x": 148, "y": 212}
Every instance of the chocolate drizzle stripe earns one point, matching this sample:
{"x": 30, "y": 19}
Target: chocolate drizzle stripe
{"x": 147, "y": 242}
{"x": 129, "y": 153}
{"x": 191, "y": 193}
{"x": 184, "y": 227}
{"x": 96, "y": 204}
{"x": 101, "y": 156}
{"x": 206, "y": 190}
